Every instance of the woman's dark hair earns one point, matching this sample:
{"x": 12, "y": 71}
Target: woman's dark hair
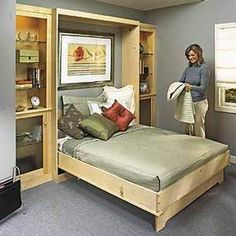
{"x": 198, "y": 50}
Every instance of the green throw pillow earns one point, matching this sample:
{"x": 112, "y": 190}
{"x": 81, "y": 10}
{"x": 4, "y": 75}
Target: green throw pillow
{"x": 69, "y": 123}
{"x": 99, "y": 126}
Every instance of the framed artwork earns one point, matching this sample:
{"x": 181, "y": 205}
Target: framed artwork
{"x": 226, "y": 101}
{"x": 85, "y": 60}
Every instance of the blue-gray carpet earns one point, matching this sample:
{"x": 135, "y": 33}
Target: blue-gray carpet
{"x": 76, "y": 208}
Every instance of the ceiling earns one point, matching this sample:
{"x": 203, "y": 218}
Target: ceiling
{"x": 145, "y": 5}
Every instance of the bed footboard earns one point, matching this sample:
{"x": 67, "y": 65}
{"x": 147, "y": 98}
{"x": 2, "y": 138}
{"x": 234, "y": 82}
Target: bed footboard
{"x": 137, "y": 195}
{"x": 180, "y": 194}
{"x": 164, "y": 204}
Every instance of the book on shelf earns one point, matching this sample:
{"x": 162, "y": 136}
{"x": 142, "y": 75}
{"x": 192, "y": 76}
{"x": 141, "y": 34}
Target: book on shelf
{"x": 35, "y": 75}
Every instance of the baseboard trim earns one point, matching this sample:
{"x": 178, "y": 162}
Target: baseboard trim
{"x": 233, "y": 159}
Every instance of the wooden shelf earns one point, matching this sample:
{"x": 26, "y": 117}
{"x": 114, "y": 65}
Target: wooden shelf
{"x": 146, "y": 96}
{"x": 25, "y": 87}
{"x": 147, "y": 54}
{"x": 29, "y": 41}
{"x": 22, "y": 144}
{"x": 27, "y": 112}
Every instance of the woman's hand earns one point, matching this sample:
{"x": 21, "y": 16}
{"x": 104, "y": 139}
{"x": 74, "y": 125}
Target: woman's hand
{"x": 188, "y": 87}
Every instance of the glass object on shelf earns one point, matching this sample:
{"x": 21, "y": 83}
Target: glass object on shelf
{"x": 27, "y": 36}
{"x": 144, "y": 87}
{"x": 29, "y": 144}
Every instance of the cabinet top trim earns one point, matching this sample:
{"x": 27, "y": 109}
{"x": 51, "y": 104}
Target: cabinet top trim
{"x": 96, "y": 18}
{"x": 34, "y": 9}
{"x": 147, "y": 27}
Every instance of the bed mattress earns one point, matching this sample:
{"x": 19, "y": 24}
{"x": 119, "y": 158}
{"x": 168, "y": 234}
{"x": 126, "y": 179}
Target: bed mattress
{"x": 148, "y": 156}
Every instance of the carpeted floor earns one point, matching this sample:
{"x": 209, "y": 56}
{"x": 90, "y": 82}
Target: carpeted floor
{"x": 75, "y": 208}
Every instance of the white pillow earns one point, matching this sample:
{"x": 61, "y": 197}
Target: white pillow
{"x": 95, "y": 107}
{"x": 124, "y": 95}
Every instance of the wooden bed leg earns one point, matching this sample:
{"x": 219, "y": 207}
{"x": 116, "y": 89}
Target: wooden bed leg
{"x": 220, "y": 176}
{"x": 62, "y": 177}
{"x": 160, "y": 222}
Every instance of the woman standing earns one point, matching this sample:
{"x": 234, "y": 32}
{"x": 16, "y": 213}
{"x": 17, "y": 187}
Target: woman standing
{"x": 196, "y": 79}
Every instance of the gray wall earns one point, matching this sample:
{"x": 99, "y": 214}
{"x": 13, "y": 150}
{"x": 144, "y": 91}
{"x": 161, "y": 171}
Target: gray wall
{"x": 87, "y": 6}
{"x": 177, "y": 28}
{"x": 7, "y": 88}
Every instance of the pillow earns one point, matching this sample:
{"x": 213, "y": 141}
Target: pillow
{"x": 124, "y": 95}
{"x": 80, "y": 103}
{"x": 120, "y": 115}
{"x": 70, "y": 121}
{"x": 95, "y": 107}
{"x": 99, "y": 126}
{"x": 60, "y": 134}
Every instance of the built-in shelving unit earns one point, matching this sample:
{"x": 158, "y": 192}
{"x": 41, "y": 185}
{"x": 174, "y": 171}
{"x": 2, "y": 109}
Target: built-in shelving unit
{"x": 37, "y": 66}
{"x": 147, "y": 75}
{"x": 33, "y": 78}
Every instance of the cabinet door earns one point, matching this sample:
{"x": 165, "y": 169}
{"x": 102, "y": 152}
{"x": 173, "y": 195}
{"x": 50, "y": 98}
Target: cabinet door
{"x": 148, "y": 111}
{"x": 31, "y": 59}
{"x": 29, "y": 143}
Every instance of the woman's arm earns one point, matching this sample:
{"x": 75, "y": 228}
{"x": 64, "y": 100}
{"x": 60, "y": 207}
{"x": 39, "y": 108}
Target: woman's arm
{"x": 204, "y": 74}
{"x": 182, "y": 79}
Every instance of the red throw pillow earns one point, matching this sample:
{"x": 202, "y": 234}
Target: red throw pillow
{"x": 113, "y": 112}
{"x": 120, "y": 115}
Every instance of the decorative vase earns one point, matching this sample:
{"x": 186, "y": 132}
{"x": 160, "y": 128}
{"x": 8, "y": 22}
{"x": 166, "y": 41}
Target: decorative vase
{"x": 141, "y": 48}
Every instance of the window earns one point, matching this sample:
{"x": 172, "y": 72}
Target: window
{"x": 225, "y": 67}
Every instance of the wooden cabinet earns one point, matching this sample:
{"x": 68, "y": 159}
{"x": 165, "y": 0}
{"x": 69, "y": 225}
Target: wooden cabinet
{"x": 147, "y": 72}
{"x": 33, "y": 79}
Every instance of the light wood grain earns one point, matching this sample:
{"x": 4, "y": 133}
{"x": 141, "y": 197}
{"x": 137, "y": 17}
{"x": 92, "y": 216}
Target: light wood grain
{"x": 163, "y": 204}
{"x": 148, "y": 41}
{"x": 130, "y": 192}
{"x": 38, "y": 20}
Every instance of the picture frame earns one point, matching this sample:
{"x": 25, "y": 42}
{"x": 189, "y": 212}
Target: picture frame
{"x": 226, "y": 97}
{"x": 144, "y": 87}
{"x": 86, "y": 60}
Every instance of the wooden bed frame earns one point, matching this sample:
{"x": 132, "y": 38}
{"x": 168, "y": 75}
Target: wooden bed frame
{"x": 163, "y": 204}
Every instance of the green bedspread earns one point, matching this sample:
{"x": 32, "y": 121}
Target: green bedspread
{"x": 151, "y": 157}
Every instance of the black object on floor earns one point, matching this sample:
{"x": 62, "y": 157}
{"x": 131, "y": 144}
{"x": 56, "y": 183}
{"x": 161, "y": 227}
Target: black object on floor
{"x": 10, "y": 196}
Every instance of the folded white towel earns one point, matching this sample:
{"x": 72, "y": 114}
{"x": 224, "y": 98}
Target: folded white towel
{"x": 184, "y": 110}
{"x": 175, "y": 90}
